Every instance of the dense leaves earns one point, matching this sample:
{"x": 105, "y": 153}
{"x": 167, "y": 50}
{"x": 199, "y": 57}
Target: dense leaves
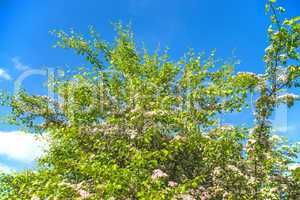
{"x": 138, "y": 125}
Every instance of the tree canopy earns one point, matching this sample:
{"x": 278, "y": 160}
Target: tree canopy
{"x": 139, "y": 125}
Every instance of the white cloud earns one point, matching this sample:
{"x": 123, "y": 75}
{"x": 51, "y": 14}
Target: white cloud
{"x": 20, "y": 146}
{"x": 4, "y": 74}
{"x": 5, "y": 168}
{"x": 18, "y": 64}
{"x": 284, "y": 129}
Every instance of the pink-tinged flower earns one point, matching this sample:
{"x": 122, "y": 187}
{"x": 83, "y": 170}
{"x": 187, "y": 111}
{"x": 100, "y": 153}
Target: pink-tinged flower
{"x": 83, "y": 194}
{"x": 203, "y": 196}
{"x": 157, "y": 173}
{"x": 172, "y": 184}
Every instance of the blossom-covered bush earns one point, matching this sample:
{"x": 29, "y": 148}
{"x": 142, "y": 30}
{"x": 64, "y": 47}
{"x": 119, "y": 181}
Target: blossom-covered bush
{"x": 136, "y": 125}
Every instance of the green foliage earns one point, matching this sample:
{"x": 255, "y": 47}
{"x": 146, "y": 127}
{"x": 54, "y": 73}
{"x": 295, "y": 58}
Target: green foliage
{"x": 136, "y": 125}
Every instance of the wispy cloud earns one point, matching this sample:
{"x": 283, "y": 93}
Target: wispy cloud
{"x": 20, "y": 146}
{"x": 18, "y": 64}
{"x": 5, "y": 168}
{"x": 4, "y": 74}
{"x": 284, "y": 129}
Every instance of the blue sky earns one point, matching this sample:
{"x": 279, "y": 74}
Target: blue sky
{"x": 233, "y": 27}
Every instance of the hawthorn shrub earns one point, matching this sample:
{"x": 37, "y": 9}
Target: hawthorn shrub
{"x": 136, "y": 125}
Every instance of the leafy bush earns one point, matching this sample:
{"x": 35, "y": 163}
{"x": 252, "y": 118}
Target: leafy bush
{"x": 137, "y": 125}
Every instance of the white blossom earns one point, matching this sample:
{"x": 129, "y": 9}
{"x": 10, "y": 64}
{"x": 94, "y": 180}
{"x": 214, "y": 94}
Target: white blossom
{"x": 217, "y": 171}
{"x": 227, "y": 128}
{"x": 132, "y": 134}
{"x": 246, "y": 74}
{"x": 172, "y": 184}
{"x": 269, "y": 48}
{"x": 282, "y": 77}
{"x": 83, "y": 194}
{"x": 157, "y": 173}
{"x": 288, "y": 96}
{"x": 275, "y": 138}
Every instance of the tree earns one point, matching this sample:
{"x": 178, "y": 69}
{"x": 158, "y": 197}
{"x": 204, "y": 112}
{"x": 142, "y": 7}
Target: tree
{"x": 136, "y": 125}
